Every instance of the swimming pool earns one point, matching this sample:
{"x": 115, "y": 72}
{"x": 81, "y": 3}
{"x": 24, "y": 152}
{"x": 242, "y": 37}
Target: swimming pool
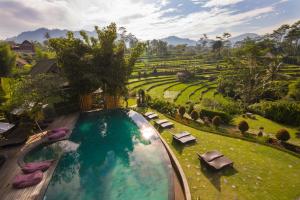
{"x": 115, "y": 158}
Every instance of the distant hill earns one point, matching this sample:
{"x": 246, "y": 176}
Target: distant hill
{"x": 174, "y": 40}
{"x": 39, "y": 35}
{"x": 241, "y": 37}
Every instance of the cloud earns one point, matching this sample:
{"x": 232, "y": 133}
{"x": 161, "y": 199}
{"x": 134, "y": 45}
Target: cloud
{"x": 219, "y": 3}
{"x": 147, "y": 19}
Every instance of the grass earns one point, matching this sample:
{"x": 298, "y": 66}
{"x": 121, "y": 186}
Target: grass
{"x": 259, "y": 172}
{"x": 270, "y": 127}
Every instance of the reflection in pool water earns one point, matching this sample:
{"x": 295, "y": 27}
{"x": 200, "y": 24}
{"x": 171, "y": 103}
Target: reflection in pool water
{"x": 116, "y": 159}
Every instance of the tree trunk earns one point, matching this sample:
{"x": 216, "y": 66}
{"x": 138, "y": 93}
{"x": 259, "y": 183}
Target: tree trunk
{"x": 86, "y": 102}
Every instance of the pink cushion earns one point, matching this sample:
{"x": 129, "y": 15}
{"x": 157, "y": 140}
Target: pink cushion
{"x": 52, "y": 133}
{"x": 36, "y": 166}
{"x": 27, "y": 180}
{"x": 59, "y": 129}
{"x": 56, "y": 136}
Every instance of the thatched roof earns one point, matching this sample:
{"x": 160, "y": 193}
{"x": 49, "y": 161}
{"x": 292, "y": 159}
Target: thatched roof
{"x": 45, "y": 66}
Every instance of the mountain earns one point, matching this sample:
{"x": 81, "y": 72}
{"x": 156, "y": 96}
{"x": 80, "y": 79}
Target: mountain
{"x": 174, "y": 40}
{"x": 39, "y": 35}
{"x": 241, "y": 37}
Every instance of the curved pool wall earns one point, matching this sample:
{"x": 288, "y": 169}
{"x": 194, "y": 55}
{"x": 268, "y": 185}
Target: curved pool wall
{"x": 115, "y": 156}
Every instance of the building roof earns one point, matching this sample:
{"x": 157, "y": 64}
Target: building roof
{"x": 21, "y": 61}
{"x": 44, "y": 66}
{"x": 26, "y": 42}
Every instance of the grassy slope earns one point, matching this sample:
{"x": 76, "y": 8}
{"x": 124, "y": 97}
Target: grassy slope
{"x": 260, "y": 172}
{"x": 270, "y": 127}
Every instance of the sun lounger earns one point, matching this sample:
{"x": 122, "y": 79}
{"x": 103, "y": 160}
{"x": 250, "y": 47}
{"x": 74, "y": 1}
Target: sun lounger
{"x": 27, "y": 180}
{"x": 184, "y": 137}
{"x": 210, "y": 155}
{"x": 167, "y": 125}
{"x": 36, "y": 166}
{"x": 148, "y": 113}
{"x": 158, "y": 122}
{"x": 4, "y": 127}
{"x": 153, "y": 116}
{"x": 220, "y": 162}
{"x": 182, "y": 134}
{"x": 215, "y": 160}
{"x": 57, "y": 135}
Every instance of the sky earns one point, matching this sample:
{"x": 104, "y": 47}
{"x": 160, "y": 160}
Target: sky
{"x": 149, "y": 19}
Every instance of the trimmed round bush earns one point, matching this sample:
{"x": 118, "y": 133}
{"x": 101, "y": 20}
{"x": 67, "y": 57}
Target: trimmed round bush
{"x": 181, "y": 111}
{"x": 283, "y": 135}
{"x": 216, "y": 121}
{"x": 243, "y": 126}
{"x": 194, "y": 115}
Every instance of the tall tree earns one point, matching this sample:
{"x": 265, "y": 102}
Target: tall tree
{"x": 97, "y": 62}
{"x": 7, "y": 59}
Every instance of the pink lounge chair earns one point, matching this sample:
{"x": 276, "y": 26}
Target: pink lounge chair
{"x": 37, "y": 166}
{"x": 27, "y": 180}
{"x": 57, "y": 135}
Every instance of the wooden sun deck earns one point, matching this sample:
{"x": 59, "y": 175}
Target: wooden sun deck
{"x": 11, "y": 168}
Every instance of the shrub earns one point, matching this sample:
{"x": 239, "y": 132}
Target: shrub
{"x": 283, "y": 135}
{"x": 191, "y": 108}
{"x": 243, "y": 126}
{"x": 163, "y": 106}
{"x": 216, "y": 121}
{"x": 181, "y": 111}
{"x": 279, "y": 111}
{"x": 209, "y": 113}
{"x": 194, "y": 115}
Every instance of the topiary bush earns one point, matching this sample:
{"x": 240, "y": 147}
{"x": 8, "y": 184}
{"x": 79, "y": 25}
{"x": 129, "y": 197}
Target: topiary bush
{"x": 216, "y": 121}
{"x": 194, "y": 115}
{"x": 243, "y": 126}
{"x": 283, "y": 135}
{"x": 181, "y": 111}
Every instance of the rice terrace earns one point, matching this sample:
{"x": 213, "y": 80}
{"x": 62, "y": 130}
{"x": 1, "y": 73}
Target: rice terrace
{"x": 150, "y": 99}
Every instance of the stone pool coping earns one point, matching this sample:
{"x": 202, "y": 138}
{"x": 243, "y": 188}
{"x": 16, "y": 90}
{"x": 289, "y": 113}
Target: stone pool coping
{"x": 139, "y": 119}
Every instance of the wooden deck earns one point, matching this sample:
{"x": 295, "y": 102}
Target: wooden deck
{"x": 11, "y": 168}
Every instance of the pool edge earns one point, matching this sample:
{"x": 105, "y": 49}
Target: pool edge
{"x": 175, "y": 163}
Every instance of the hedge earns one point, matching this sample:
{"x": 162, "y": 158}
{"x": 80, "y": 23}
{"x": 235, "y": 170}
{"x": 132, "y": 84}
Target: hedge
{"x": 280, "y": 111}
{"x": 212, "y": 113}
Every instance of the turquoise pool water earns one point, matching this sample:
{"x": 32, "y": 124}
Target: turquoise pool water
{"x": 112, "y": 158}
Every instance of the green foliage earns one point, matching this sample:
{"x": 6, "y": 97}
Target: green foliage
{"x": 294, "y": 90}
{"x": 223, "y": 104}
{"x": 283, "y": 135}
{"x": 163, "y": 106}
{"x": 96, "y": 62}
{"x": 253, "y": 68}
{"x": 216, "y": 121}
{"x": 32, "y": 93}
{"x": 280, "y": 111}
{"x": 243, "y": 126}
{"x": 212, "y": 113}
{"x": 7, "y": 59}
{"x": 191, "y": 108}
{"x": 194, "y": 115}
{"x": 181, "y": 111}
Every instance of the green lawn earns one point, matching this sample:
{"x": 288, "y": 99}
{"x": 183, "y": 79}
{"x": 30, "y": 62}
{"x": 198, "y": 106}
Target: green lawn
{"x": 259, "y": 172}
{"x": 270, "y": 127}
